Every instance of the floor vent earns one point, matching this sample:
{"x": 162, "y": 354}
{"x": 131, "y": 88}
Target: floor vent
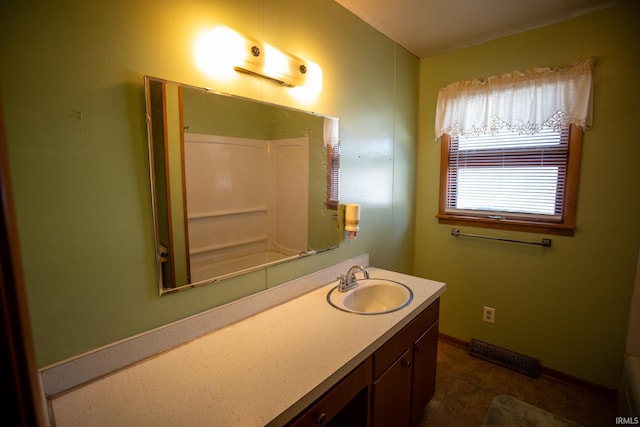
{"x": 507, "y": 358}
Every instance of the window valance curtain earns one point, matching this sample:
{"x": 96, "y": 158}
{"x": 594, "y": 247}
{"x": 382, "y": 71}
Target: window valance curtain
{"x": 331, "y": 131}
{"x": 522, "y": 102}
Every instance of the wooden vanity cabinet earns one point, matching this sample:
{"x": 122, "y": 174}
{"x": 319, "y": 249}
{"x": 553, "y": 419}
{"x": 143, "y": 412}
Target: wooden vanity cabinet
{"x": 404, "y": 372}
{"x": 390, "y": 388}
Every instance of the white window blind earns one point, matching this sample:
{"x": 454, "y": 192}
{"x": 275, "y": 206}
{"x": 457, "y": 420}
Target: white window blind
{"x": 333, "y": 176}
{"x": 508, "y": 175}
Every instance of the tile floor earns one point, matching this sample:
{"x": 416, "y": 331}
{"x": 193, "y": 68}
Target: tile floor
{"x": 465, "y": 386}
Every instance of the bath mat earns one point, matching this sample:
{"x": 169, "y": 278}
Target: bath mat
{"x": 507, "y": 411}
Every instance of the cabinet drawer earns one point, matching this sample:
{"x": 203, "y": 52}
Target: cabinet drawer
{"x": 403, "y": 340}
{"x": 329, "y": 405}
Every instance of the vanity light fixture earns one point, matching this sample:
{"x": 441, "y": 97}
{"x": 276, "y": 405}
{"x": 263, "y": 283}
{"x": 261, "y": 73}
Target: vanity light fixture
{"x": 224, "y": 47}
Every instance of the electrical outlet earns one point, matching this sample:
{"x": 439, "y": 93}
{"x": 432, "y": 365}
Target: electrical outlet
{"x": 489, "y": 314}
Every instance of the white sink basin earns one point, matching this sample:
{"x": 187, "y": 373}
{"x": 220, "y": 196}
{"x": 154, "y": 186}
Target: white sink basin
{"x": 372, "y": 296}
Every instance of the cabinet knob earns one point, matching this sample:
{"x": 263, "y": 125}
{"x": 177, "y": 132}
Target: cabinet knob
{"x": 420, "y": 350}
{"x": 406, "y": 363}
{"x": 322, "y": 419}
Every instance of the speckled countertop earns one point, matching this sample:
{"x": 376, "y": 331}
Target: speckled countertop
{"x": 259, "y": 371}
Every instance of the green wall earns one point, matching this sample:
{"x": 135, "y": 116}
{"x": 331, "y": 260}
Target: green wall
{"x": 72, "y": 91}
{"x": 567, "y": 305}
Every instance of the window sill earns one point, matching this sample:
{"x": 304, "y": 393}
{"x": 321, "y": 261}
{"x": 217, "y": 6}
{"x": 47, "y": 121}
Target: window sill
{"x": 332, "y": 205}
{"x": 507, "y": 224}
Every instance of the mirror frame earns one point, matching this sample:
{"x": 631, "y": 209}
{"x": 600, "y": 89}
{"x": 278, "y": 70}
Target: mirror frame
{"x": 156, "y": 123}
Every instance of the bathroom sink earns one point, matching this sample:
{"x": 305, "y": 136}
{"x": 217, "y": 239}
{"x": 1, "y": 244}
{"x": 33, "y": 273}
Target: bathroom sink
{"x": 372, "y": 296}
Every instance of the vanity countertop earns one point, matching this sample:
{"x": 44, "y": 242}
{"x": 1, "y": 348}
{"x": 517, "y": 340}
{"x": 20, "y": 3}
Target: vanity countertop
{"x": 259, "y": 371}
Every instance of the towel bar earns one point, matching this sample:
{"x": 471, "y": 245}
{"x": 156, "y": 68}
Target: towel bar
{"x": 456, "y": 232}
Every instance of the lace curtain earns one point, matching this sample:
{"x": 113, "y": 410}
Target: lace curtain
{"x": 521, "y": 102}
{"x": 331, "y": 131}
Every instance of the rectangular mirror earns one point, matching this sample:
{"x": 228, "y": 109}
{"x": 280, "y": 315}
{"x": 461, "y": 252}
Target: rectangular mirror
{"x": 237, "y": 184}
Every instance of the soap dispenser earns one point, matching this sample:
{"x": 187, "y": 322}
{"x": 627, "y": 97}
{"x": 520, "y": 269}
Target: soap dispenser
{"x": 352, "y": 220}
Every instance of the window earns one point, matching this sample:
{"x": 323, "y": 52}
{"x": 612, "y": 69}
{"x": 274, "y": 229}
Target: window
{"x": 332, "y": 144}
{"x": 511, "y": 148}
{"x": 512, "y": 181}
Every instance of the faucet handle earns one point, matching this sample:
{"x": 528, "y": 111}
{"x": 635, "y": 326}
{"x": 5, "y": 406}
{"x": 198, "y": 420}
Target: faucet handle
{"x": 342, "y": 279}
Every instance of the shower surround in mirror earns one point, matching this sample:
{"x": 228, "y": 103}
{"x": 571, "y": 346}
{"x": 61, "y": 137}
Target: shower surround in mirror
{"x": 247, "y": 202}
{"x": 237, "y": 184}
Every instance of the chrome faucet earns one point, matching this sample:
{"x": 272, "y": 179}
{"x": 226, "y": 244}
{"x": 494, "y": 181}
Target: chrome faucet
{"x": 349, "y": 281}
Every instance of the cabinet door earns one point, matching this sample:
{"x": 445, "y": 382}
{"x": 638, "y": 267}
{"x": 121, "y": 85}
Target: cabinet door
{"x": 392, "y": 394}
{"x": 425, "y": 351}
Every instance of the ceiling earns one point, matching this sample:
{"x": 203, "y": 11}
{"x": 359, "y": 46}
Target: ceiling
{"x": 430, "y": 27}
